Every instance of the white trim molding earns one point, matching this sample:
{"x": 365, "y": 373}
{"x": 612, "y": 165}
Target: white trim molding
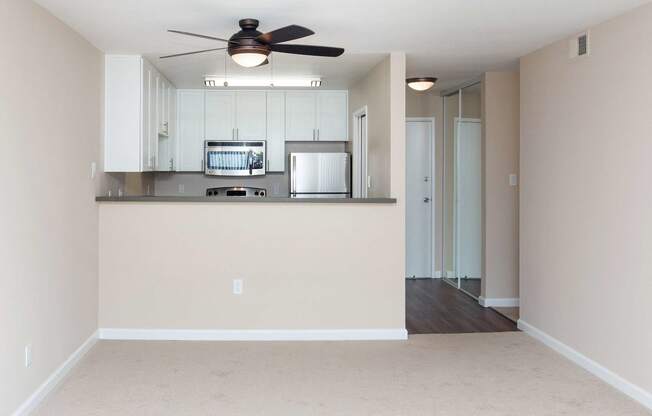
{"x": 630, "y": 389}
{"x": 55, "y": 378}
{"x": 498, "y": 302}
{"x": 253, "y": 334}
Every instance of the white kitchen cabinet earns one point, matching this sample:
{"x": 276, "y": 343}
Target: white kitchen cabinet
{"x": 276, "y": 131}
{"x": 300, "y": 116}
{"x": 332, "y": 116}
{"x": 132, "y": 112}
{"x": 251, "y": 115}
{"x": 190, "y": 130}
{"x": 167, "y": 139}
{"x": 316, "y": 116}
{"x": 220, "y": 115}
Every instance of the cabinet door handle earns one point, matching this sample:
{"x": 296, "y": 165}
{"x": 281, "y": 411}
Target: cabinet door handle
{"x": 318, "y": 138}
{"x": 313, "y": 135}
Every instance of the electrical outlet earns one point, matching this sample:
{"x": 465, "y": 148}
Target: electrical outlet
{"x": 120, "y": 192}
{"x": 93, "y": 170}
{"x": 182, "y": 188}
{"x": 28, "y": 355}
{"x": 237, "y": 286}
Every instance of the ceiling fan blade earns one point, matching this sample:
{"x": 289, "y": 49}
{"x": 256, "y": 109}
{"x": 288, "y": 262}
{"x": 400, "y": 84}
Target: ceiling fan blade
{"x": 199, "y": 36}
{"x": 285, "y": 34}
{"x": 308, "y": 50}
{"x": 192, "y": 53}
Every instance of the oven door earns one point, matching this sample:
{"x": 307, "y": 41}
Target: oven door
{"x": 234, "y": 158}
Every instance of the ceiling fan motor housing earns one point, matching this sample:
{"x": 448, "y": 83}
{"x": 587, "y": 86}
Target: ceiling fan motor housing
{"x": 245, "y": 40}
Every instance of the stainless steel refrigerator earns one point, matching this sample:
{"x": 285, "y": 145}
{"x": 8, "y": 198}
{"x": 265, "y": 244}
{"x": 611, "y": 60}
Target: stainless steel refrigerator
{"x": 320, "y": 175}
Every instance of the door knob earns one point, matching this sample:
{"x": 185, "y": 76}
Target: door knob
{"x": 426, "y": 200}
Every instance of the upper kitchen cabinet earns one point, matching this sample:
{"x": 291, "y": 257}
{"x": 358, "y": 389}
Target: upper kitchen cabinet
{"x": 275, "y": 131}
{"x": 300, "y": 116}
{"x": 135, "y": 111}
{"x": 167, "y": 137}
{"x": 220, "y": 115}
{"x": 317, "y": 116}
{"x": 236, "y": 115}
{"x": 190, "y": 130}
{"x": 251, "y": 112}
{"x": 332, "y": 116}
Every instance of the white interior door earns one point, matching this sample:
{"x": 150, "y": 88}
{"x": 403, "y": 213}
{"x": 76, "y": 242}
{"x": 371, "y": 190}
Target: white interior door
{"x": 419, "y": 232}
{"x": 468, "y": 198}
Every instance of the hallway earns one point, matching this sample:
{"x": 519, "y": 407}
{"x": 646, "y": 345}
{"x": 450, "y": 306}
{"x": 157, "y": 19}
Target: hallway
{"x": 435, "y": 307}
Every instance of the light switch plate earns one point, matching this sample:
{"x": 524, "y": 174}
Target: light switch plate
{"x": 93, "y": 170}
{"x": 237, "y": 286}
{"x": 28, "y": 355}
{"x": 513, "y": 180}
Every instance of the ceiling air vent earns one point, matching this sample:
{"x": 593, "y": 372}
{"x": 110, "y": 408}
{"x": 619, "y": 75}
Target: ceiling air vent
{"x": 579, "y": 45}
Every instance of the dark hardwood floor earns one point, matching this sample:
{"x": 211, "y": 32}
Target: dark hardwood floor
{"x": 435, "y": 307}
{"x": 473, "y": 286}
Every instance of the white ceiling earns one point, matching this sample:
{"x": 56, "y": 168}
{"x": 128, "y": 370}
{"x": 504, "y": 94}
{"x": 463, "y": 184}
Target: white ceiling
{"x": 452, "y": 39}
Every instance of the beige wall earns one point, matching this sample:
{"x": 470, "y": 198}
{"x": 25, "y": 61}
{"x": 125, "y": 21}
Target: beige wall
{"x": 171, "y": 266}
{"x": 306, "y": 266}
{"x": 50, "y": 115}
{"x": 500, "y": 106}
{"x": 374, "y": 91}
{"x": 586, "y": 230}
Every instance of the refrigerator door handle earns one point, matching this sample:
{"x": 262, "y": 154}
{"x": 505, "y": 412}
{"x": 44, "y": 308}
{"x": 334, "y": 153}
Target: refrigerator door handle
{"x": 294, "y": 175}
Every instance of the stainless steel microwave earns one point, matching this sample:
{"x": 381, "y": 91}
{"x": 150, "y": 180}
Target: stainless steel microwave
{"x": 234, "y": 158}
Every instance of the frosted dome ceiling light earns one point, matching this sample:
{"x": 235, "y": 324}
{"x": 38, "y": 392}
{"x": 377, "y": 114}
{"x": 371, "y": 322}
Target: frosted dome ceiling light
{"x": 249, "y": 59}
{"x": 421, "y": 83}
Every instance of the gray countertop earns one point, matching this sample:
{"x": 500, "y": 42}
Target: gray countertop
{"x": 246, "y": 200}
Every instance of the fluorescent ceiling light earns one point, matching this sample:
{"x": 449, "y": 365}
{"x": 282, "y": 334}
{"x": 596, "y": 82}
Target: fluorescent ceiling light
{"x": 262, "y": 82}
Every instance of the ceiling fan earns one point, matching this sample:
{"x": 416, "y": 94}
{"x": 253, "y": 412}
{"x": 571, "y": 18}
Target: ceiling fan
{"x": 250, "y": 48}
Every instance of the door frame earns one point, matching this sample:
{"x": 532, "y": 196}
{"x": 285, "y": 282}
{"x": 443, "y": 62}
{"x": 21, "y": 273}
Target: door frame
{"x": 360, "y": 186}
{"x": 433, "y": 189}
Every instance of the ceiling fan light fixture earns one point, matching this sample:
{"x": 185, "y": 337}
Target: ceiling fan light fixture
{"x": 250, "y": 58}
{"x": 421, "y": 83}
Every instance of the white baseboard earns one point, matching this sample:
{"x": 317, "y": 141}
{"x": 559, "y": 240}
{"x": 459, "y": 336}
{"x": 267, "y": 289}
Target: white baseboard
{"x": 253, "y": 334}
{"x": 55, "y": 378}
{"x": 498, "y": 302}
{"x": 632, "y": 390}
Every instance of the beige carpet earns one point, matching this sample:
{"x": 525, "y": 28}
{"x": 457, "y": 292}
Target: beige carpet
{"x": 435, "y": 375}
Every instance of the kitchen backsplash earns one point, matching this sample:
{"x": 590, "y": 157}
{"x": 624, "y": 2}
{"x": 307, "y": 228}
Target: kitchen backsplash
{"x": 277, "y": 184}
